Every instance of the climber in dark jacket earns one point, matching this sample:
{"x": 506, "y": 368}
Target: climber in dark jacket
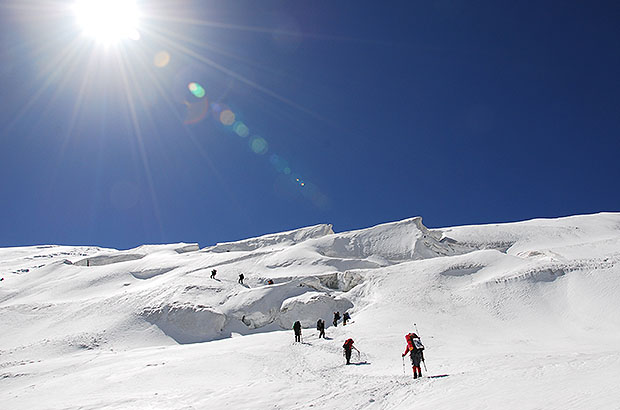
{"x": 345, "y": 317}
{"x": 297, "y": 330}
{"x": 320, "y": 326}
{"x": 336, "y": 318}
{"x": 348, "y": 347}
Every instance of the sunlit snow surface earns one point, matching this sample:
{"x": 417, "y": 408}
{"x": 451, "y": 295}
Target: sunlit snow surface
{"x": 519, "y": 316}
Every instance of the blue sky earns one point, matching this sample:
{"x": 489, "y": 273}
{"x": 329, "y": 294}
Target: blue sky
{"x": 356, "y": 113}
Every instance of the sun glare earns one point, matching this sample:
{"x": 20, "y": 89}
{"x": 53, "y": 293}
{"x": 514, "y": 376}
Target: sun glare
{"x": 108, "y": 21}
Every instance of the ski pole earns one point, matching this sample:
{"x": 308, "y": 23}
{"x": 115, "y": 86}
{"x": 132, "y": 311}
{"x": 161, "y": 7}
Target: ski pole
{"x": 403, "y": 365}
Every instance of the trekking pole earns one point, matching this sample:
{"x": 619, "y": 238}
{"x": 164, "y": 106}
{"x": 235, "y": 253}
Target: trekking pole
{"x": 403, "y": 365}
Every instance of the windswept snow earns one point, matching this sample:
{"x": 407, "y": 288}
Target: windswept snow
{"x": 274, "y": 240}
{"x": 520, "y": 315}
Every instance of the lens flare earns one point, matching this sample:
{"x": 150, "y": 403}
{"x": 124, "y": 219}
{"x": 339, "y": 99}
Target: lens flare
{"x": 241, "y": 129}
{"x": 161, "y": 59}
{"x": 196, "y": 111}
{"x": 258, "y": 145}
{"x": 196, "y": 89}
{"x": 227, "y": 117}
{"x": 279, "y": 163}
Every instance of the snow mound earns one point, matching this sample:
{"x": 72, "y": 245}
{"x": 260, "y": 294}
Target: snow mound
{"x": 190, "y": 247}
{"x": 310, "y": 306}
{"x": 186, "y": 323}
{"x": 535, "y": 235}
{"x": 280, "y": 239}
{"x": 102, "y": 260}
{"x": 396, "y": 241}
{"x": 110, "y": 256}
{"x": 284, "y": 303}
{"x": 151, "y": 273}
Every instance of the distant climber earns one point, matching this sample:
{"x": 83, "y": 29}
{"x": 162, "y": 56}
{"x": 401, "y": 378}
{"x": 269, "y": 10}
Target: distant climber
{"x": 213, "y": 272}
{"x": 345, "y": 317}
{"x": 336, "y": 318}
{"x": 415, "y": 348}
{"x": 241, "y": 277}
{"x": 320, "y": 326}
{"x": 348, "y": 347}
{"x": 297, "y": 330}
{"x": 270, "y": 282}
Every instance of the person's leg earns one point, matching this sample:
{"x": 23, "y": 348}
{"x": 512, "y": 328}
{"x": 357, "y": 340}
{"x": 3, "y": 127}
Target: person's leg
{"x": 414, "y": 365}
{"x": 416, "y": 359}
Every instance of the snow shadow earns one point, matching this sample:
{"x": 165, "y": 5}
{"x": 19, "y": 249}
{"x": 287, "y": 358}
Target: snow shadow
{"x": 149, "y": 273}
{"x": 102, "y": 260}
{"x": 462, "y": 270}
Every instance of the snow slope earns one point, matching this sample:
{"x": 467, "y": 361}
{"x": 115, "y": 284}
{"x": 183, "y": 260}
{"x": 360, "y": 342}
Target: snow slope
{"x": 520, "y": 315}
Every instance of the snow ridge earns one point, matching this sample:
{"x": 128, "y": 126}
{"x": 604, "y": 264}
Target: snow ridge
{"x": 270, "y": 240}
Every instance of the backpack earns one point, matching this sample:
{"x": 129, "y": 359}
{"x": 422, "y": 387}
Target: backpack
{"x": 414, "y": 343}
{"x": 347, "y": 345}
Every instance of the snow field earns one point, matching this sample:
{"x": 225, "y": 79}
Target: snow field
{"x": 520, "y": 315}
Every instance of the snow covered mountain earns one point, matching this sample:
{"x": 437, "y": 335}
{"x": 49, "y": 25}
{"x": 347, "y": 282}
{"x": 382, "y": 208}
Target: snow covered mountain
{"x": 520, "y": 315}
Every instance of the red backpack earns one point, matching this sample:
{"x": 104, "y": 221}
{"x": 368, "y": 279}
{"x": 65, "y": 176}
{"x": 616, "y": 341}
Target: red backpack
{"x": 413, "y": 343}
{"x": 348, "y": 344}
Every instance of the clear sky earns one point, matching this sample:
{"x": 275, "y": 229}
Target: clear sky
{"x": 222, "y": 120}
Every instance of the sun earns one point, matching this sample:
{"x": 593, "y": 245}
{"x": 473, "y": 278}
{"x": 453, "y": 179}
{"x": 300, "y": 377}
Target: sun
{"x": 108, "y": 21}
